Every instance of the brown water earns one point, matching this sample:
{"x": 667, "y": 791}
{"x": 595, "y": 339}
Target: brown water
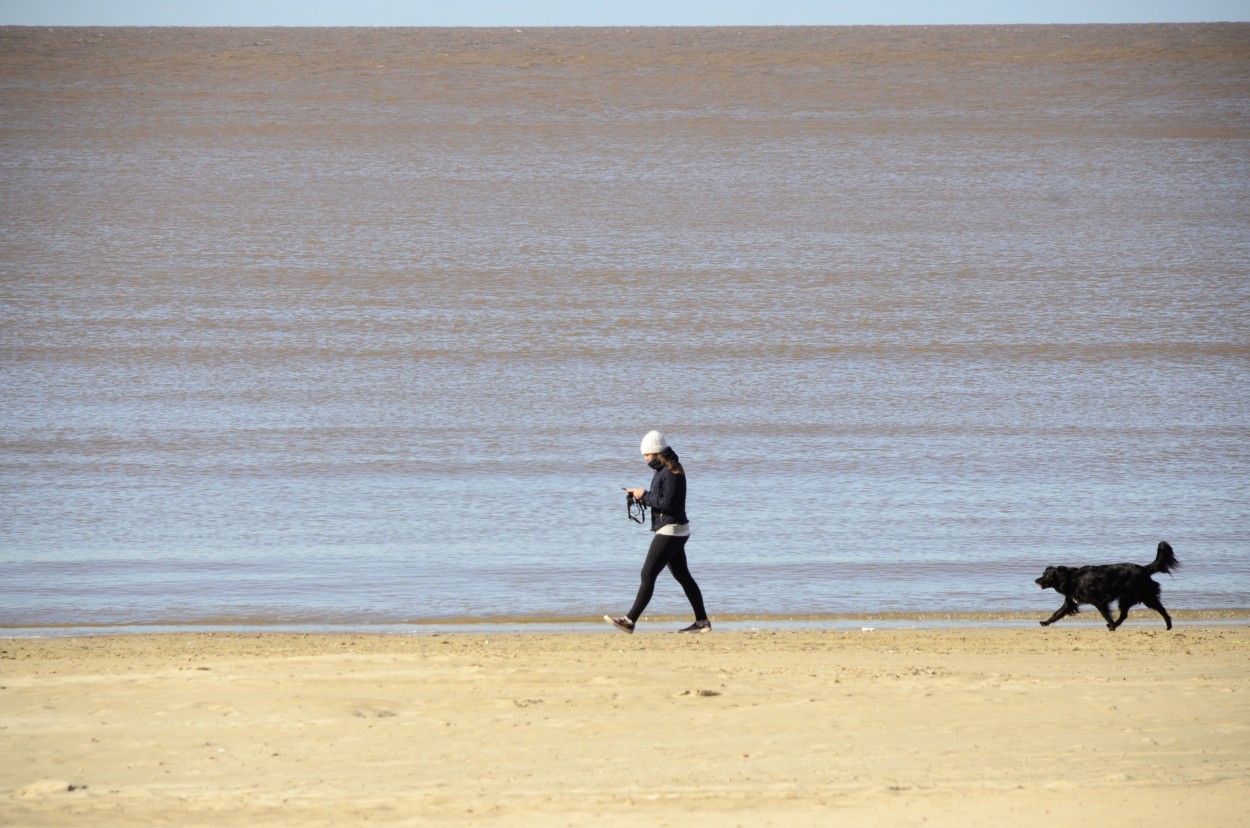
{"x": 364, "y": 325}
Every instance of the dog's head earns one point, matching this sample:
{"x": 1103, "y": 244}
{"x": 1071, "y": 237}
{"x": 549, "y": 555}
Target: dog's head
{"x": 1055, "y": 577}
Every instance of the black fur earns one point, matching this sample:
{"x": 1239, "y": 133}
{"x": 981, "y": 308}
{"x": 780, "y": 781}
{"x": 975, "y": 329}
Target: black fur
{"x": 1126, "y": 583}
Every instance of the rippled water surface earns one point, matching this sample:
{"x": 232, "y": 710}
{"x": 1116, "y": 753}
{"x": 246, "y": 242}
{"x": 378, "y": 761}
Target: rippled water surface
{"x": 364, "y": 325}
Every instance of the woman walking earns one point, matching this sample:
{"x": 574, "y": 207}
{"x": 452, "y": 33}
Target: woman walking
{"x": 667, "y": 501}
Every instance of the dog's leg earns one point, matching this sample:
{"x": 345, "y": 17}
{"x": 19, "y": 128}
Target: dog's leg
{"x": 1068, "y": 608}
{"x": 1123, "y": 614}
{"x": 1157, "y": 605}
{"x": 1106, "y": 613}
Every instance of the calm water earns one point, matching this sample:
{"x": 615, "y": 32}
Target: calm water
{"x": 364, "y": 325}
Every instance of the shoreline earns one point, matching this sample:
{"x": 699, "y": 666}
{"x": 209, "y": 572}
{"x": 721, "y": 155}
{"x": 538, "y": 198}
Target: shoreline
{"x": 942, "y": 727}
{"x": 730, "y": 622}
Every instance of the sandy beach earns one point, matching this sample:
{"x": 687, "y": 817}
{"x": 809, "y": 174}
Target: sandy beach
{"x": 1071, "y": 725}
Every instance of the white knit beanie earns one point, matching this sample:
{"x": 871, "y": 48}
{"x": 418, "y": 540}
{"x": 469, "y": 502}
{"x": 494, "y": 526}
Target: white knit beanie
{"x": 653, "y": 443}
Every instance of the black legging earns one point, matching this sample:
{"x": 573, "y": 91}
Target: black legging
{"x": 670, "y": 551}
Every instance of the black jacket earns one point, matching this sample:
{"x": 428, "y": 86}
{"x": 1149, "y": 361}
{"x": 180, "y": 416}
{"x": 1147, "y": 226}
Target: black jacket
{"x": 666, "y": 498}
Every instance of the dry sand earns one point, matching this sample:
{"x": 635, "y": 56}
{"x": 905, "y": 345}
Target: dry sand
{"x": 1068, "y": 725}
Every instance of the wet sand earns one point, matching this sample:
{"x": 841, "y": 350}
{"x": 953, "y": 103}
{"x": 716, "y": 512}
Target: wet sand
{"x": 936, "y": 726}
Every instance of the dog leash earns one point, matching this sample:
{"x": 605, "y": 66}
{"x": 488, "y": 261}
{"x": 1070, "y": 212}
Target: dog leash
{"x": 635, "y": 510}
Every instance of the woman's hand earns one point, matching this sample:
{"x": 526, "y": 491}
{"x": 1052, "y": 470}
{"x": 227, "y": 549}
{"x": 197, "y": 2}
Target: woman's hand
{"x": 636, "y": 494}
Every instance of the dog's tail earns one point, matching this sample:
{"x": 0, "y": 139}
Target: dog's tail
{"x": 1165, "y": 561}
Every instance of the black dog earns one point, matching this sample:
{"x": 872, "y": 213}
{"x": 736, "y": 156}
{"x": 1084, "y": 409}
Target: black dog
{"x": 1126, "y": 583}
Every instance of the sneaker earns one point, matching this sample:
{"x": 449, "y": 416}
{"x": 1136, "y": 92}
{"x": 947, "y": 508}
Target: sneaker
{"x": 698, "y": 627}
{"x": 622, "y": 623}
